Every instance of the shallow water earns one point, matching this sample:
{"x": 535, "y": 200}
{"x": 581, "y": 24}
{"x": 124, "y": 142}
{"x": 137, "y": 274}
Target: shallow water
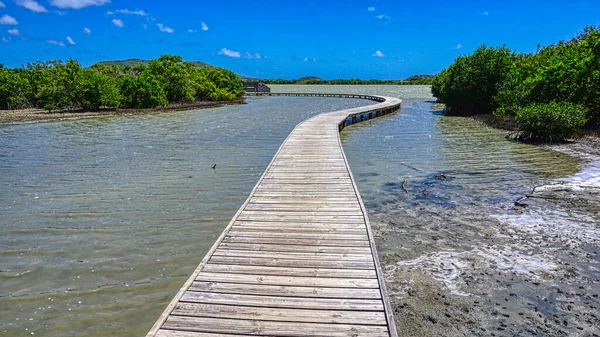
{"x": 103, "y": 220}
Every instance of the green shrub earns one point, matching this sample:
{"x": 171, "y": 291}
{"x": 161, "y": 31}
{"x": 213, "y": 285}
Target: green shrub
{"x": 550, "y": 121}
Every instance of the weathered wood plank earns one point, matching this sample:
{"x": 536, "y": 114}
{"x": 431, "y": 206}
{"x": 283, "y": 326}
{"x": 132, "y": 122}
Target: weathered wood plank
{"x": 236, "y": 231}
{"x": 273, "y": 301}
{"x": 276, "y": 290}
{"x": 301, "y": 267}
{"x": 296, "y": 248}
{"x": 333, "y": 282}
{"x": 268, "y": 328}
{"x": 293, "y": 255}
{"x": 302, "y": 242}
{"x": 280, "y": 314}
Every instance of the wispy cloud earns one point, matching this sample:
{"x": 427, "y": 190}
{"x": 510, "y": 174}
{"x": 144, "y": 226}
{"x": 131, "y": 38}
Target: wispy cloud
{"x": 370, "y": 9}
{"x": 382, "y": 17}
{"x": 77, "y": 4}
{"x": 458, "y": 46}
{"x": 61, "y": 13}
{"x": 7, "y": 40}
{"x": 14, "y": 31}
{"x": 8, "y": 20}
{"x": 204, "y": 26}
{"x": 32, "y": 5}
{"x": 118, "y": 22}
{"x": 70, "y": 40}
{"x": 192, "y": 31}
{"x": 164, "y": 28}
{"x": 306, "y": 59}
{"x": 58, "y": 43}
{"x": 87, "y": 31}
{"x": 128, "y": 12}
{"x": 378, "y": 54}
{"x": 253, "y": 56}
{"x": 230, "y": 53}
{"x": 486, "y": 13}
{"x": 2, "y": 4}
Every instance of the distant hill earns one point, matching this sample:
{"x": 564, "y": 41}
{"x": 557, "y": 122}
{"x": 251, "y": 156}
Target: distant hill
{"x": 135, "y": 62}
{"x": 309, "y": 78}
{"x": 419, "y": 77}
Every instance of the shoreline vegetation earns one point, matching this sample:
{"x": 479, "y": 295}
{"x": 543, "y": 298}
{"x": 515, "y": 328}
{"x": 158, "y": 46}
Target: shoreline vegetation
{"x": 58, "y": 90}
{"x": 40, "y": 115}
{"x": 550, "y": 95}
{"x": 413, "y": 80}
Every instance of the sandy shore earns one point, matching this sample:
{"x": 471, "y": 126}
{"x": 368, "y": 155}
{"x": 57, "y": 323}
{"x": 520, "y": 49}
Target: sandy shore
{"x": 39, "y": 115}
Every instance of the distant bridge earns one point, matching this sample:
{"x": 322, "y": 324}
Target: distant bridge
{"x": 298, "y": 258}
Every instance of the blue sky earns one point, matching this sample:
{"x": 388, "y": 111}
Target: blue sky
{"x": 285, "y": 39}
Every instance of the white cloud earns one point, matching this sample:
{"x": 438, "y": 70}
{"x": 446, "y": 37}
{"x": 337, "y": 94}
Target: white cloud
{"x": 382, "y": 17}
{"x": 204, "y": 26}
{"x": 230, "y": 53}
{"x": 118, "y": 22}
{"x": 370, "y": 9}
{"x": 32, "y": 5}
{"x": 87, "y": 31}
{"x": 110, "y": 13}
{"x": 486, "y": 13}
{"x": 145, "y": 26}
{"x": 164, "y": 28}
{"x": 14, "y": 32}
{"x": 306, "y": 59}
{"x": 378, "y": 54}
{"x": 458, "y": 46}
{"x": 61, "y": 13}
{"x": 2, "y": 4}
{"x": 58, "y": 43}
{"x": 70, "y": 40}
{"x": 253, "y": 56}
{"x": 314, "y": 59}
{"x": 6, "y": 40}
{"x": 8, "y": 20}
{"x": 77, "y": 4}
{"x": 192, "y": 31}
{"x": 127, "y": 11}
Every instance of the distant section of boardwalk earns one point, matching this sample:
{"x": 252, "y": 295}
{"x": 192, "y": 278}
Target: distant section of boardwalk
{"x": 298, "y": 258}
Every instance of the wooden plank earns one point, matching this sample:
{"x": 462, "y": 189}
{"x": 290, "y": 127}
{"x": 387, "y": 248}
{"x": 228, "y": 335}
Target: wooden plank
{"x": 293, "y": 255}
{"x": 174, "y": 333}
{"x": 322, "y": 219}
{"x": 276, "y": 290}
{"x": 287, "y": 267}
{"x": 300, "y": 224}
{"x": 333, "y": 282}
{"x": 293, "y": 266}
{"x": 280, "y": 314}
{"x": 302, "y": 242}
{"x": 270, "y": 247}
{"x": 283, "y": 301}
{"x": 267, "y": 328}
{"x": 236, "y": 231}
{"x": 289, "y": 229}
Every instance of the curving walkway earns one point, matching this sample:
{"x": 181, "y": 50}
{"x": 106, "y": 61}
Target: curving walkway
{"x": 298, "y": 258}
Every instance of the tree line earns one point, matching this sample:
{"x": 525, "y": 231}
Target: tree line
{"x": 413, "y": 80}
{"x": 550, "y": 94}
{"x": 57, "y": 85}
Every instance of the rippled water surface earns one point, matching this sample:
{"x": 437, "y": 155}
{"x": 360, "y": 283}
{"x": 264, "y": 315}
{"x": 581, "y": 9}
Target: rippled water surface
{"x": 103, "y": 220}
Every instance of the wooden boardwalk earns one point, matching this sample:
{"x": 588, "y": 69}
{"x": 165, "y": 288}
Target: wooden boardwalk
{"x": 298, "y": 258}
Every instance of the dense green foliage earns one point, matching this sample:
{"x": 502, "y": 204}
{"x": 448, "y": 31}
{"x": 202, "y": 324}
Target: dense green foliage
{"x": 510, "y": 85}
{"x": 136, "y": 62}
{"x": 413, "y": 80}
{"x": 550, "y": 121}
{"x": 61, "y": 85}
